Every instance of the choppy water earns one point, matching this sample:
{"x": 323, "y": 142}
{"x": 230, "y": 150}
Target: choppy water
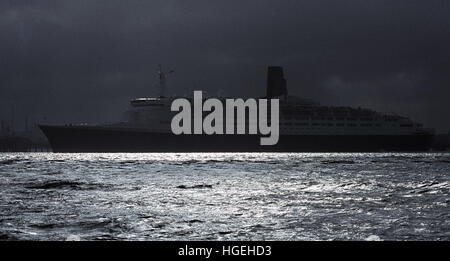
{"x": 251, "y": 196}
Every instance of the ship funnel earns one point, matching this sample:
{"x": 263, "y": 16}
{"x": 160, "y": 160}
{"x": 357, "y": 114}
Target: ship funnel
{"x": 276, "y": 83}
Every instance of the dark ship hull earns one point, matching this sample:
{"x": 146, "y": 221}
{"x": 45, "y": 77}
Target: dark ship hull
{"x": 108, "y": 139}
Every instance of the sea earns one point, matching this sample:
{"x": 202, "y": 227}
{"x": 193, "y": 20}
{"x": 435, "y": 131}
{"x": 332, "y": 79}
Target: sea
{"x": 225, "y": 196}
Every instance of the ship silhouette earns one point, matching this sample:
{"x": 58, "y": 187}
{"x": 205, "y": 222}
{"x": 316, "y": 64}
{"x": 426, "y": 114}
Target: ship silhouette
{"x": 305, "y": 126}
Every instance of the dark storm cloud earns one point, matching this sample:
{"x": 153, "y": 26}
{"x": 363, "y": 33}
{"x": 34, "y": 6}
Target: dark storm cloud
{"x": 80, "y": 60}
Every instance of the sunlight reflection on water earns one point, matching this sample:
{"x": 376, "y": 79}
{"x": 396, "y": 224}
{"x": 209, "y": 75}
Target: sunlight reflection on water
{"x": 225, "y": 196}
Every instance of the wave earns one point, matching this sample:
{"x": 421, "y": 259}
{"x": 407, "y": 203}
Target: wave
{"x": 9, "y": 161}
{"x": 7, "y": 237}
{"x": 47, "y": 226}
{"x": 99, "y": 223}
{"x": 199, "y": 186}
{"x": 65, "y": 184}
{"x": 55, "y": 185}
{"x": 338, "y": 162}
{"x": 382, "y": 161}
{"x": 195, "y": 221}
{"x": 224, "y": 232}
{"x": 430, "y": 187}
{"x": 225, "y": 161}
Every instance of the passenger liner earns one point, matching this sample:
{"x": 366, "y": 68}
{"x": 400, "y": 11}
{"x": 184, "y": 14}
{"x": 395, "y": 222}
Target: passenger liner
{"x": 305, "y": 126}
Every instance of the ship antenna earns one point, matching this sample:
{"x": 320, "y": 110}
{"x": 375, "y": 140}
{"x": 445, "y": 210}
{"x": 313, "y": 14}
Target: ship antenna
{"x": 162, "y": 80}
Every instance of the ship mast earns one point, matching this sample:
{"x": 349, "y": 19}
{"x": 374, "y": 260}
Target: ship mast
{"x": 162, "y": 80}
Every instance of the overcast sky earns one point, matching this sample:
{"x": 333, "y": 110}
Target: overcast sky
{"x": 82, "y": 60}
